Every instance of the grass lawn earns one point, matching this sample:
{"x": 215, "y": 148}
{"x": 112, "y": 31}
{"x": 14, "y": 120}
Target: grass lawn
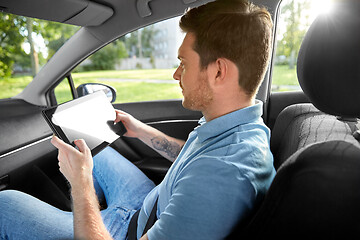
{"x": 12, "y": 86}
{"x": 157, "y": 74}
{"x": 128, "y": 91}
{"x": 284, "y": 79}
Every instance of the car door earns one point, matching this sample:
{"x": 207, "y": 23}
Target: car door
{"x": 29, "y": 162}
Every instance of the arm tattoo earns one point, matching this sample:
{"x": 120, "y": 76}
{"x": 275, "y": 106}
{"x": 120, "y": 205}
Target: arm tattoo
{"x": 172, "y": 149}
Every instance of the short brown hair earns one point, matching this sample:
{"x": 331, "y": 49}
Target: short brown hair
{"x": 234, "y": 29}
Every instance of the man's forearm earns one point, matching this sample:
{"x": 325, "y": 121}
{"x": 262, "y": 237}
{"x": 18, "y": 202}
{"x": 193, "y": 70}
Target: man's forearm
{"x": 88, "y": 223}
{"x": 77, "y": 165}
{"x": 167, "y": 146}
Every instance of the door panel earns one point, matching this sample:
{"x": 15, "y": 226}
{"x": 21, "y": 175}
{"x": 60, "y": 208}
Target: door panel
{"x": 28, "y": 161}
{"x": 24, "y": 143}
{"x": 21, "y": 123}
{"x": 155, "y": 111}
{"x": 167, "y": 116}
{"x": 25, "y": 148}
{"x": 25, "y": 136}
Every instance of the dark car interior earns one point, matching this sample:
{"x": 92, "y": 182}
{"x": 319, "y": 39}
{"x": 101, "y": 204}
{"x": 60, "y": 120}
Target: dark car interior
{"x": 315, "y": 131}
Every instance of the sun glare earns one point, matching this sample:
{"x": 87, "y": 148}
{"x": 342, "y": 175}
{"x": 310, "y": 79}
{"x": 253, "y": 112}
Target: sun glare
{"x": 321, "y": 7}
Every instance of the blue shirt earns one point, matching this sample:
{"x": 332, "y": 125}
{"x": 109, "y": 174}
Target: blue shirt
{"x": 222, "y": 172}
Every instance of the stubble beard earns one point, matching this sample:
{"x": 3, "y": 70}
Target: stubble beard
{"x": 200, "y": 98}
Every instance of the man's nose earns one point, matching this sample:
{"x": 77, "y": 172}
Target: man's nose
{"x": 177, "y": 74}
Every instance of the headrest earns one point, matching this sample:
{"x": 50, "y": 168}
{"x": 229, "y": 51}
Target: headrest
{"x": 328, "y": 66}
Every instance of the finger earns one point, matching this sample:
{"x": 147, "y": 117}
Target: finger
{"x": 56, "y": 142}
{"x": 61, "y": 156}
{"x": 120, "y": 116}
{"x": 120, "y": 111}
{"x": 81, "y": 144}
{"x": 59, "y": 144}
{"x": 62, "y": 169}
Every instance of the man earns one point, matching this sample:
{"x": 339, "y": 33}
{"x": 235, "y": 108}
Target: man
{"x": 218, "y": 176}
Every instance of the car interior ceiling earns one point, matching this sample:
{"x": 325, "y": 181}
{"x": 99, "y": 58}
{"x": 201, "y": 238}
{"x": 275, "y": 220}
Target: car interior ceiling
{"x": 315, "y": 149}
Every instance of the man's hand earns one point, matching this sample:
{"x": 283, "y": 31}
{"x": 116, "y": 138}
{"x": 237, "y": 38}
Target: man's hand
{"x": 75, "y": 165}
{"x": 167, "y": 146}
{"x": 133, "y": 126}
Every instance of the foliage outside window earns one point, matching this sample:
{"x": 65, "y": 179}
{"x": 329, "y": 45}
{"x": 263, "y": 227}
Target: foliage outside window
{"x": 140, "y": 64}
{"x": 26, "y": 44}
{"x": 295, "y": 17}
{"x": 136, "y": 64}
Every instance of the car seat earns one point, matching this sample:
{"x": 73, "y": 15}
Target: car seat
{"x": 316, "y": 191}
{"x": 328, "y": 71}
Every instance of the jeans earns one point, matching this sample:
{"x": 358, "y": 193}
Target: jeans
{"x": 121, "y": 183}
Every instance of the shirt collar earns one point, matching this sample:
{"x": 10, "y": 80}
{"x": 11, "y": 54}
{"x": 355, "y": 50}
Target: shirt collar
{"x": 222, "y": 124}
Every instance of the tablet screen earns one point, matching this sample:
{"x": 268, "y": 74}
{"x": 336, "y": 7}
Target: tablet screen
{"x": 90, "y": 117}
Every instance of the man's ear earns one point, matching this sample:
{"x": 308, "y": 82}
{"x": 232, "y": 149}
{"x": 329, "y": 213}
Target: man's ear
{"x": 221, "y": 70}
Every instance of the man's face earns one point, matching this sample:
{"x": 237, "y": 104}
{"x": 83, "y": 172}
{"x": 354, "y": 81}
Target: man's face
{"x": 192, "y": 79}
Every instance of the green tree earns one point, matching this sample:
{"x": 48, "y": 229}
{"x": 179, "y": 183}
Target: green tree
{"x": 34, "y": 59}
{"x": 294, "y": 14}
{"x": 55, "y": 34}
{"x": 15, "y": 30}
{"x": 140, "y": 42}
{"x": 107, "y": 57}
{"x": 10, "y": 41}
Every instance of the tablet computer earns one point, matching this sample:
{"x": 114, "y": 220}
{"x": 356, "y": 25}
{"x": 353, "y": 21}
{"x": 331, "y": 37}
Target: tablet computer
{"x": 90, "y": 117}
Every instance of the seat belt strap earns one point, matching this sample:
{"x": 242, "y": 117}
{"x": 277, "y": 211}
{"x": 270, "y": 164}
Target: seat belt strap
{"x": 152, "y": 218}
{"x": 132, "y": 230}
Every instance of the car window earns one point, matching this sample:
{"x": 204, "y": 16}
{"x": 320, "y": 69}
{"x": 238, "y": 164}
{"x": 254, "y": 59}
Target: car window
{"x": 295, "y": 17}
{"x": 62, "y": 91}
{"x": 26, "y": 44}
{"x": 139, "y": 65}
